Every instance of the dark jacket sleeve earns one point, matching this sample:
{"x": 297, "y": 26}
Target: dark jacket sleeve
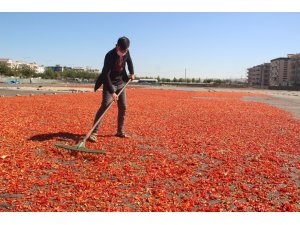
{"x": 108, "y": 61}
{"x": 130, "y": 64}
{"x": 98, "y": 82}
{"x": 105, "y": 72}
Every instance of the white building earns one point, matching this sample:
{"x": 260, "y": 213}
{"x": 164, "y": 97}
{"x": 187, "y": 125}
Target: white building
{"x": 78, "y": 69}
{"x": 91, "y": 70}
{"x": 7, "y": 61}
{"x": 18, "y": 64}
{"x": 40, "y": 69}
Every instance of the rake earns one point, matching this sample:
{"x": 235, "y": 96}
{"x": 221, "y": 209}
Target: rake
{"x": 80, "y": 147}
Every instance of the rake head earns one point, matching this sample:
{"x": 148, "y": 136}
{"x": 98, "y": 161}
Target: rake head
{"x": 80, "y": 147}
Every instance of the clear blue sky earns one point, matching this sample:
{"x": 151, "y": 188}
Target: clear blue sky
{"x": 208, "y": 45}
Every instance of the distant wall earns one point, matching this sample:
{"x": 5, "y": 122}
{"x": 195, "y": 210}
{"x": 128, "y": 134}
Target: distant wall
{"x": 4, "y": 79}
{"x": 287, "y": 88}
{"x": 204, "y": 84}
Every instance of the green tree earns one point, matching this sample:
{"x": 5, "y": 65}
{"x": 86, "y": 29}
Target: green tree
{"x": 165, "y": 79}
{"x": 50, "y": 74}
{"x": 4, "y": 69}
{"x": 26, "y": 71}
{"x": 208, "y": 80}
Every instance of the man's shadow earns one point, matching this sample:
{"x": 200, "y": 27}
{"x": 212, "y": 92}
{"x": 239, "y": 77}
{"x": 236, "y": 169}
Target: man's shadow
{"x": 59, "y": 136}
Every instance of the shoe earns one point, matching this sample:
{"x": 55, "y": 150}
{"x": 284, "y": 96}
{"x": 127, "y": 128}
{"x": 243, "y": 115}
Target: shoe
{"x": 122, "y": 135}
{"x": 93, "y": 138}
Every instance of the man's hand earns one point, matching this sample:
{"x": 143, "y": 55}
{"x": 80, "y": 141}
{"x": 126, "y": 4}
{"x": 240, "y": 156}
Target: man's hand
{"x": 115, "y": 97}
{"x": 132, "y": 77}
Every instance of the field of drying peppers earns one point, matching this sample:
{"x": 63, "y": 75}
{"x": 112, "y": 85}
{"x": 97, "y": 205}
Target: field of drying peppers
{"x": 188, "y": 151}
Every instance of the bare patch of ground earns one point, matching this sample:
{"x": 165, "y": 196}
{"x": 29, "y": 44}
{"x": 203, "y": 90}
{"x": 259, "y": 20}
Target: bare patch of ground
{"x": 34, "y": 89}
{"x": 285, "y": 102}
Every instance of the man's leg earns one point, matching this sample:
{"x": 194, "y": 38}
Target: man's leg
{"x": 106, "y": 99}
{"x": 121, "y": 110}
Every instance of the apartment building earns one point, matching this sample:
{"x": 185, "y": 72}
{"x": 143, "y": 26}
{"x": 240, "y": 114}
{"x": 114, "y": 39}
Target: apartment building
{"x": 259, "y": 75}
{"x": 283, "y": 71}
{"x": 279, "y": 72}
{"x": 294, "y": 69}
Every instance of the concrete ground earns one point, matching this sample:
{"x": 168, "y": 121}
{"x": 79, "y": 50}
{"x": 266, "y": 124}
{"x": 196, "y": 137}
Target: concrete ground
{"x": 286, "y": 100}
{"x": 40, "y": 89}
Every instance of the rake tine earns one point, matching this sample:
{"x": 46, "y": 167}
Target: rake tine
{"x": 80, "y": 147}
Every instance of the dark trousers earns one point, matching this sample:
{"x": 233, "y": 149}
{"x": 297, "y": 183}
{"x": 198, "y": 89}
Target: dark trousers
{"x": 106, "y": 99}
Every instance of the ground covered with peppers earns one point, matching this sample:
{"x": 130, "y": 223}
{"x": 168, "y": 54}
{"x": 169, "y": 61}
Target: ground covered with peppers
{"x": 188, "y": 151}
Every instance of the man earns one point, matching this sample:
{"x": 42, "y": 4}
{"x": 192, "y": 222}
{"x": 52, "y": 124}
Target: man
{"x": 114, "y": 77}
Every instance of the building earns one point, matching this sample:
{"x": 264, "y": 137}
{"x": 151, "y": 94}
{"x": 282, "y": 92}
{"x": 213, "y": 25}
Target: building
{"x": 56, "y": 68}
{"x": 19, "y": 64}
{"x": 259, "y": 75}
{"x": 40, "y": 69}
{"x": 8, "y": 62}
{"x": 91, "y": 70}
{"x": 279, "y": 72}
{"x": 147, "y": 81}
{"x": 13, "y": 64}
{"x": 79, "y": 69}
{"x": 285, "y": 71}
{"x": 36, "y": 67}
{"x": 294, "y": 69}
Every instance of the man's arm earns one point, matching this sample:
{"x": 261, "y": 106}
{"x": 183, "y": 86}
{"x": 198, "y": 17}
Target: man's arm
{"x": 130, "y": 66}
{"x": 107, "y": 70}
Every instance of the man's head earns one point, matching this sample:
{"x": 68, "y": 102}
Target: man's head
{"x": 122, "y": 45}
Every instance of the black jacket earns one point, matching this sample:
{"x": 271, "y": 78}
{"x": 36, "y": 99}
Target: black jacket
{"x": 109, "y": 61}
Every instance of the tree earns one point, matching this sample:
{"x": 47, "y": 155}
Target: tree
{"x": 26, "y": 71}
{"x": 217, "y": 81}
{"x": 49, "y": 74}
{"x": 4, "y": 69}
{"x": 165, "y": 79}
{"x": 208, "y": 80}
